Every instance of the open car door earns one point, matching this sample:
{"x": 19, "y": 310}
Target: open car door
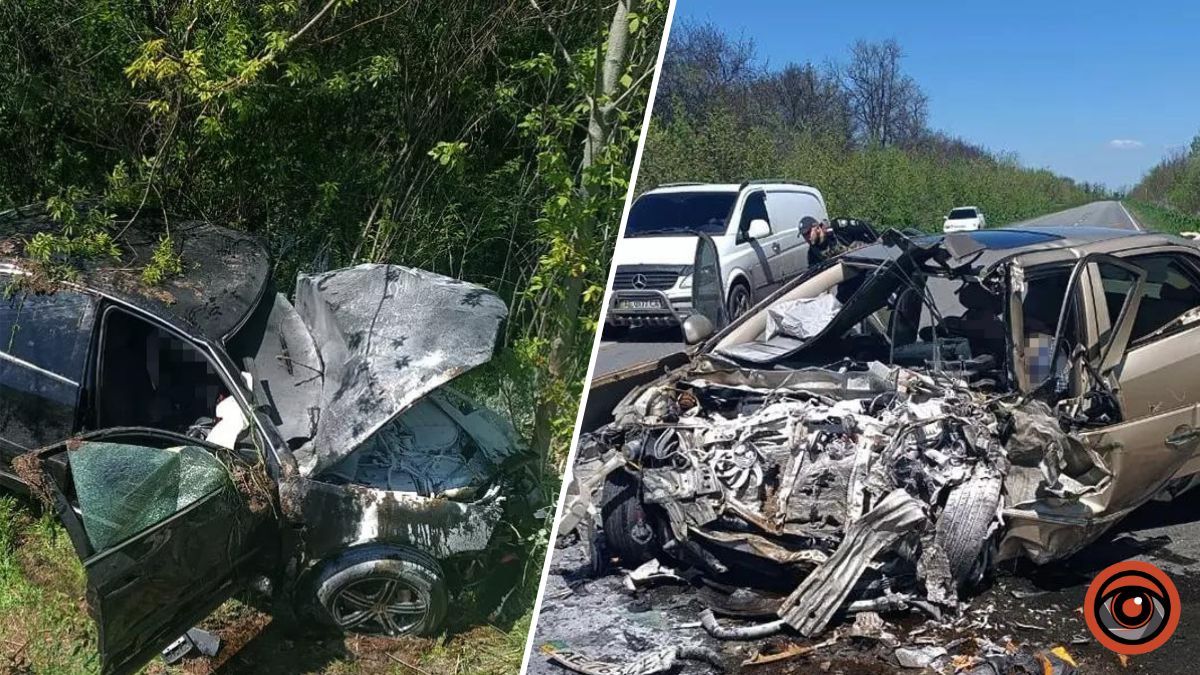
{"x": 162, "y": 532}
{"x": 1126, "y": 459}
{"x": 1142, "y": 451}
{"x": 708, "y": 299}
{"x": 708, "y": 286}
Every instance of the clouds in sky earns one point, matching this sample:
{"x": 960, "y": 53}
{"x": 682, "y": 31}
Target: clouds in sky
{"x": 1125, "y": 144}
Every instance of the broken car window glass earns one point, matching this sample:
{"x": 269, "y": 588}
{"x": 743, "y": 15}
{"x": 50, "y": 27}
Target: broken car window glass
{"x": 885, "y": 314}
{"x": 125, "y": 489}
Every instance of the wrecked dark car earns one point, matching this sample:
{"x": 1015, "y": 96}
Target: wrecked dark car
{"x": 207, "y": 434}
{"x": 882, "y": 430}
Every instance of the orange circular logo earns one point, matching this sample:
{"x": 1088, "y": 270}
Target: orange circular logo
{"x": 1132, "y": 607}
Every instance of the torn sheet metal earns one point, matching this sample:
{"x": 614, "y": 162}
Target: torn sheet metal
{"x": 783, "y": 471}
{"x": 386, "y": 336}
{"x": 660, "y": 661}
{"x": 811, "y": 606}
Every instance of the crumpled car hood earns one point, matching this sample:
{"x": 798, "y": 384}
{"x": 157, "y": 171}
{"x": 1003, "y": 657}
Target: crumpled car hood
{"x": 384, "y": 337}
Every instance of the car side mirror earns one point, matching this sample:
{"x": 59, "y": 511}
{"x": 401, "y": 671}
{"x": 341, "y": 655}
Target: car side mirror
{"x": 696, "y": 328}
{"x": 758, "y": 229}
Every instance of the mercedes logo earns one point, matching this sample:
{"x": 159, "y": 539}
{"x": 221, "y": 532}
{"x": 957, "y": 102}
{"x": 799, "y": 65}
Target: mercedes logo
{"x": 639, "y": 281}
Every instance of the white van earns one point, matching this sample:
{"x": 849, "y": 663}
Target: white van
{"x": 756, "y": 228}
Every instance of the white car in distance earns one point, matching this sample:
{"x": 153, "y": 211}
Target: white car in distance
{"x": 964, "y": 219}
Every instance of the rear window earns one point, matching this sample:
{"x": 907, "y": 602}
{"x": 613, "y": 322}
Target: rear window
{"x": 958, "y": 214}
{"x": 674, "y": 213}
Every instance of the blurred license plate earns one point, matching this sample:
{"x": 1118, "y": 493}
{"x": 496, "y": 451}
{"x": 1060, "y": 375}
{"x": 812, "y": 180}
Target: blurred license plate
{"x": 652, "y": 303}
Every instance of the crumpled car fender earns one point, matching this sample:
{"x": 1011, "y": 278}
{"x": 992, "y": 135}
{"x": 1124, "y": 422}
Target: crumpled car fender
{"x": 338, "y": 516}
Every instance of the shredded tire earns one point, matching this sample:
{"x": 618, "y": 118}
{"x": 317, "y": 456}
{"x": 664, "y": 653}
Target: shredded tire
{"x": 962, "y": 529}
{"x": 627, "y": 530}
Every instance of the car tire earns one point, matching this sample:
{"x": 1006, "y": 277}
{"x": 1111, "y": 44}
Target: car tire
{"x": 382, "y": 590}
{"x": 740, "y": 300}
{"x": 963, "y": 529}
{"x": 628, "y": 532}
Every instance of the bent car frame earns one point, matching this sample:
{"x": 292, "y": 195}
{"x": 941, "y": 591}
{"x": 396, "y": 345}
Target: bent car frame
{"x": 206, "y": 434}
{"x": 880, "y": 431}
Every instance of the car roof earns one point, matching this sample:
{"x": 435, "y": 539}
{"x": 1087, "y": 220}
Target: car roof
{"x": 733, "y": 187}
{"x": 225, "y": 272}
{"x": 992, "y": 246}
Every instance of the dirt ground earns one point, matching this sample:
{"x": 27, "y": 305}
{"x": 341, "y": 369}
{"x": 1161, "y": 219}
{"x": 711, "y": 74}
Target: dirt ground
{"x": 1025, "y": 605}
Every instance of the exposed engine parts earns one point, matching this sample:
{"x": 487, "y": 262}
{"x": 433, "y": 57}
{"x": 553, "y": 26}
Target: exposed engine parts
{"x": 855, "y": 489}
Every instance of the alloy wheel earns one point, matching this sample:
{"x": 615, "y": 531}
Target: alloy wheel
{"x": 380, "y": 605}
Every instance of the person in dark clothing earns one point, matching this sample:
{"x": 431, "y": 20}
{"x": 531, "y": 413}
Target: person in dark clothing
{"x": 827, "y": 240}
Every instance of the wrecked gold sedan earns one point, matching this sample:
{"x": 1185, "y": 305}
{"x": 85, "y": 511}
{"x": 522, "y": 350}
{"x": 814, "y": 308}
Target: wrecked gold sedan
{"x": 883, "y": 428}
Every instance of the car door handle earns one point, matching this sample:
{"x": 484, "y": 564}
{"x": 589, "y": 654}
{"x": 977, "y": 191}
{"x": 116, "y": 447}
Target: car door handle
{"x": 1184, "y": 435}
{"x": 775, "y": 247}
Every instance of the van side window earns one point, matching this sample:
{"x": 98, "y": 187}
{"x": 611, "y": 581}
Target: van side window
{"x": 1171, "y": 290}
{"x": 756, "y": 207}
{"x": 44, "y": 342}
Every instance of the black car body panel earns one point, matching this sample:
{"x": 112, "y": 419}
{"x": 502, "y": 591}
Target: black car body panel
{"x": 150, "y": 588}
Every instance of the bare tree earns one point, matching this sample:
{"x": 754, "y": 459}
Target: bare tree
{"x": 807, "y": 99}
{"x": 888, "y": 106}
{"x": 704, "y": 68}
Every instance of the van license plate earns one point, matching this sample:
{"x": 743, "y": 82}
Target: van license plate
{"x": 640, "y": 304}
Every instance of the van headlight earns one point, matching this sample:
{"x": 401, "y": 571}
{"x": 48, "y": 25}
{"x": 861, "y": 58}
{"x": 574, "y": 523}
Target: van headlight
{"x": 685, "y": 277}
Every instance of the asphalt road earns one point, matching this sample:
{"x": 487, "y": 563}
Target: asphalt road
{"x": 1027, "y": 607}
{"x": 638, "y": 346}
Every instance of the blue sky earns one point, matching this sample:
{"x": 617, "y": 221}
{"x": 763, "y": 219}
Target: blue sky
{"x": 1055, "y": 82}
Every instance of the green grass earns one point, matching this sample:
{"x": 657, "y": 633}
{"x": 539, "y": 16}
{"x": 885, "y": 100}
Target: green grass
{"x": 1155, "y": 217}
{"x": 44, "y": 627}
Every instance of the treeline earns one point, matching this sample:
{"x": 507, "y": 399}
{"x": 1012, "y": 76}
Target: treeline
{"x": 486, "y": 141}
{"x": 1174, "y": 183}
{"x": 857, "y": 130}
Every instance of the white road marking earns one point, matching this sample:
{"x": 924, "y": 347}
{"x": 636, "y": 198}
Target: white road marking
{"x": 1137, "y": 226}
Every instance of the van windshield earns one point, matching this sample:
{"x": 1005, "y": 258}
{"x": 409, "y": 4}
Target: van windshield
{"x": 680, "y": 213}
{"x": 960, "y": 214}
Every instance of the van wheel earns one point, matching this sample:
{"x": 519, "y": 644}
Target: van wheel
{"x": 382, "y": 590}
{"x": 628, "y": 533}
{"x": 740, "y": 300}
